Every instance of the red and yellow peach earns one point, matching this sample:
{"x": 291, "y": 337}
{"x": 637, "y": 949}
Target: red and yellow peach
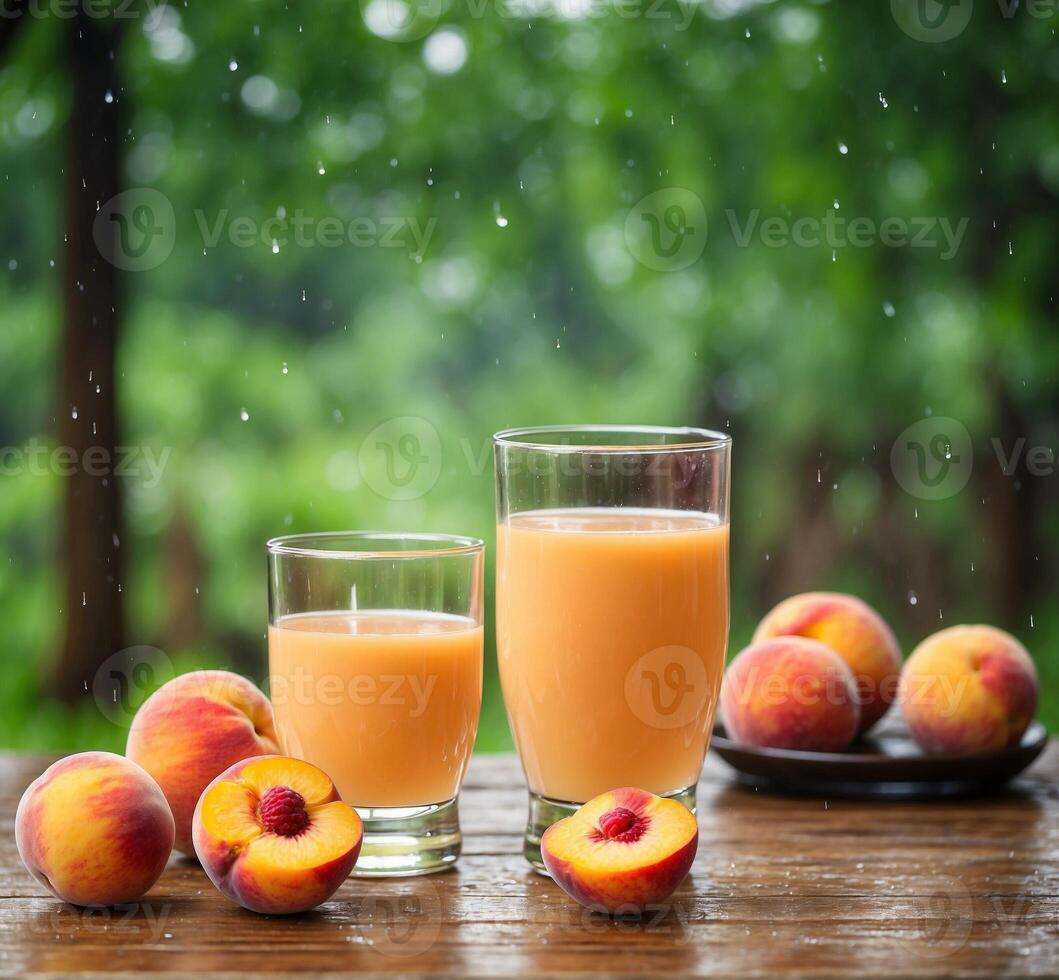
{"x": 273, "y": 835}
{"x": 194, "y": 727}
{"x": 622, "y": 852}
{"x": 791, "y": 693}
{"x": 855, "y": 631}
{"x": 968, "y": 688}
{"x": 94, "y": 829}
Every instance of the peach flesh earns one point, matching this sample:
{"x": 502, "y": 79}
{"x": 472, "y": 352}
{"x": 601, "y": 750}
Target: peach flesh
{"x": 622, "y": 852}
{"x": 273, "y": 835}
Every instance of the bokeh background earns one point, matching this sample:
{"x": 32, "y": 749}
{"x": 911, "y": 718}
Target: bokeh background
{"x": 355, "y": 239}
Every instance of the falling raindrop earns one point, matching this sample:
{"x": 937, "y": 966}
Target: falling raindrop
{"x": 842, "y": 148}
{"x": 244, "y": 415}
{"x": 888, "y": 308}
{"x": 233, "y": 65}
{"x": 285, "y": 367}
{"x": 73, "y": 414}
{"x": 501, "y": 221}
{"x": 913, "y": 599}
{"x": 275, "y": 247}
{"x": 109, "y": 97}
{"x": 883, "y": 102}
{"x": 1003, "y": 76}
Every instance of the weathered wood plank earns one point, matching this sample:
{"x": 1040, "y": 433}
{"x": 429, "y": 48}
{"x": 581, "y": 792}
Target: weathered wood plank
{"x": 781, "y": 886}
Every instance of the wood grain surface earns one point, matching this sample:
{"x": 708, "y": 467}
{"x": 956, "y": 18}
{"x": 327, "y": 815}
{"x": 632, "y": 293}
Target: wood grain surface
{"x": 782, "y": 886}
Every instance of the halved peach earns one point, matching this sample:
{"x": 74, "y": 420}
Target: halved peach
{"x": 623, "y": 851}
{"x": 273, "y": 835}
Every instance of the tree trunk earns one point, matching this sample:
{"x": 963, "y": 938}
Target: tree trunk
{"x": 90, "y": 542}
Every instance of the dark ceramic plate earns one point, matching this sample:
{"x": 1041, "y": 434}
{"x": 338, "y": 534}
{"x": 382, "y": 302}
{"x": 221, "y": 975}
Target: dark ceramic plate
{"x": 886, "y": 765}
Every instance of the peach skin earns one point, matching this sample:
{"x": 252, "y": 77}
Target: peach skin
{"x": 194, "y": 727}
{"x": 94, "y": 829}
{"x": 790, "y": 693}
{"x": 273, "y": 835}
{"x": 622, "y": 852}
{"x": 855, "y": 631}
{"x": 968, "y": 688}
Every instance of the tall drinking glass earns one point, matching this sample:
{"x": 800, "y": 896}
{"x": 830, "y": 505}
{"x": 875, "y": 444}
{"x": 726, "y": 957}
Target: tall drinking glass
{"x": 612, "y": 608}
{"x": 375, "y": 671}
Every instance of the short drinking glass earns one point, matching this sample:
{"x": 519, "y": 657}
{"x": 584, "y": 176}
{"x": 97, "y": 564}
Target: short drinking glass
{"x": 375, "y": 672}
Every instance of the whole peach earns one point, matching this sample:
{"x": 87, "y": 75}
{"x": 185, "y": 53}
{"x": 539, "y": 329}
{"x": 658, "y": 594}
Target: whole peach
{"x": 273, "y": 835}
{"x": 968, "y": 688}
{"x": 790, "y": 693}
{"x": 855, "y": 631}
{"x": 194, "y": 727}
{"x": 94, "y": 829}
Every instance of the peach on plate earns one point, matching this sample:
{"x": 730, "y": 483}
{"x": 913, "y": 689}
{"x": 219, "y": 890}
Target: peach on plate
{"x": 273, "y": 835}
{"x": 791, "y": 693}
{"x": 622, "y": 852}
{"x": 968, "y": 688}
{"x": 855, "y": 631}
{"x": 194, "y": 727}
{"x": 94, "y": 829}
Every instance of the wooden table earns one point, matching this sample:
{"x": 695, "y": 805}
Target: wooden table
{"x": 781, "y": 886}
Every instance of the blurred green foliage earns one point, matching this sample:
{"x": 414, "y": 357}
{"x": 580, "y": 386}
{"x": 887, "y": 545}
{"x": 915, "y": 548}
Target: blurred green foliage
{"x": 522, "y": 140}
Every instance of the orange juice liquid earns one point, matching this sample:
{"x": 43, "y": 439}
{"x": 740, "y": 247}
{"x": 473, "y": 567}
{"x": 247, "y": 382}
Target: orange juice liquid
{"x": 385, "y": 702}
{"x": 612, "y": 626}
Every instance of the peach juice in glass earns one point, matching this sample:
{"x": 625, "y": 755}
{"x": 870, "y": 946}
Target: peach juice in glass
{"x": 612, "y": 608}
{"x": 375, "y": 674}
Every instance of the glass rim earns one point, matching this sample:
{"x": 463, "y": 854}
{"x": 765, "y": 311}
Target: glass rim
{"x": 696, "y": 438}
{"x": 434, "y": 545}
